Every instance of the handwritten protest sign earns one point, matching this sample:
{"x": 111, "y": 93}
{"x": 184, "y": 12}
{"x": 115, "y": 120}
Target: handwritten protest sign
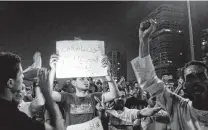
{"x": 140, "y": 70}
{"x": 80, "y": 58}
{"x": 135, "y": 64}
{"x": 94, "y": 124}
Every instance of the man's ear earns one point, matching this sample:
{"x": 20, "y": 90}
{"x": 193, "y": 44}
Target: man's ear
{"x": 10, "y": 83}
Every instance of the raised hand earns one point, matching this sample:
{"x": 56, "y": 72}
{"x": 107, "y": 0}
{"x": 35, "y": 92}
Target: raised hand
{"x": 122, "y": 79}
{"x": 37, "y": 60}
{"x": 43, "y": 80}
{"x": 146, "y": 29}
{"x": 53, "y": 61}
{"x": 180, "y": 81}
{"x": 146, "y": 112}
{"x": 106, "y": 63}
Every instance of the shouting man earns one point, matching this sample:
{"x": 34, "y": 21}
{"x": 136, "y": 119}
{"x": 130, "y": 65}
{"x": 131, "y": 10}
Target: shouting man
{"x": 185, "y": 114}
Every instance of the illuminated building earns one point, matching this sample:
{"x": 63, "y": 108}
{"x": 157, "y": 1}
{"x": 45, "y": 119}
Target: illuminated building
{"x": 115, "y": 59}
{"x": 167, "y": 45}
{"x": 204, "y": 46}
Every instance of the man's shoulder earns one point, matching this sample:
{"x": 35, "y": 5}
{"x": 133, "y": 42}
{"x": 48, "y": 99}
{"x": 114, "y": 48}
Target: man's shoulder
{"x": 67, "y": 97}
{"x": 97, "y": 95}
{"x": 67, "y": 94}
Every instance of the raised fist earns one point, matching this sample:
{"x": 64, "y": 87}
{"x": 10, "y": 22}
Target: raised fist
{"x": 146, "y": 29}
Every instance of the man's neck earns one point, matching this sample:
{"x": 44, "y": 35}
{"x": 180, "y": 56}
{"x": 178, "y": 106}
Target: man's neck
{"x": 7, "y": 95}
{"x": 22, "y": 101}
{"x": 81, "y": 93}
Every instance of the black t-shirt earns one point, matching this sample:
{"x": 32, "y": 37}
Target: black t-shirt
{"x": 79, "y": 109}
{"x": 12, "y": 119}
{"x": 133, "y": 103}
{"x": 39, "y": 115}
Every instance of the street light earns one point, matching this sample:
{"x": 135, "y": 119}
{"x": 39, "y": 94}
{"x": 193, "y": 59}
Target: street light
{"x": 190, "y": 31}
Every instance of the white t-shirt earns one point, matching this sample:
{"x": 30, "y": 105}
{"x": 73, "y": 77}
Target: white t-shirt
{"x": 183, "y": 115}
{"x": 24, "y": 107}
{"x": 127, "y": 117}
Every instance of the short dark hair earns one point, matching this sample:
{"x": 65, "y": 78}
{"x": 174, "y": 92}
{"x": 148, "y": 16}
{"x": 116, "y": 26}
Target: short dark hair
{"x": 197, "y": 63}
{"x": 9, "y": 67}
{"x": 135, "y": 82}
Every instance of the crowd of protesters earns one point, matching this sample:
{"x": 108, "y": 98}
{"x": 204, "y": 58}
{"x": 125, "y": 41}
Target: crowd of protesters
{"x": 34, "y": 99}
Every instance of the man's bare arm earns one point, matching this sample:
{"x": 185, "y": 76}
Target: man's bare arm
{"x": 38, "y": 102}
{"x": 56, "y": 96}
{"x": 55, "y": 118}
{"x": 114, "y": 92}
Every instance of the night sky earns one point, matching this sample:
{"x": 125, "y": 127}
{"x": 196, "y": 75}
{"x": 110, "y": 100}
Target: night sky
{"x": 26, "y": 27}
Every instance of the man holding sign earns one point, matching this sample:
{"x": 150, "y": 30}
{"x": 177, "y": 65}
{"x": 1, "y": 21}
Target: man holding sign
{"x": 81, "y": 106}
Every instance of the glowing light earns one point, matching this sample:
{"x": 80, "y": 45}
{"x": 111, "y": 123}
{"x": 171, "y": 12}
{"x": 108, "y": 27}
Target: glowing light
{"x": 204, "y": 42}
{"x": 179, "y": 31}
{"x": 167, "y": 30}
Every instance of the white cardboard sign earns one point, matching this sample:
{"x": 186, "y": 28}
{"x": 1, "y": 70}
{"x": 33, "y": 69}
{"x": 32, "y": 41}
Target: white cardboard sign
{"x": 80, "y": 58}
{"x": 135, "y": 64}
{"x": 94, "y": 124}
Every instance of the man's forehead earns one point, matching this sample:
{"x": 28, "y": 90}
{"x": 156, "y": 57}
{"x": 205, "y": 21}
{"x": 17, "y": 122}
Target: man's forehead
{"x": 193, "y": 69}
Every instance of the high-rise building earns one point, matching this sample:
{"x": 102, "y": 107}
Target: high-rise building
{"x": 167, "y": 45}
{"x": 204, "y": 46}
{"x": 115, "y": 59}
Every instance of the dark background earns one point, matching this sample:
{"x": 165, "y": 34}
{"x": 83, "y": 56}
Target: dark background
{"x": 26, "y": 27}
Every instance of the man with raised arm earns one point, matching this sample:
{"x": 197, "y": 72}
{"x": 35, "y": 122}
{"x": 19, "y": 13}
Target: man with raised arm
{"x": 185, "y": 114}
{"x": 11, "y": 80}
{"x": 80, "y": 106}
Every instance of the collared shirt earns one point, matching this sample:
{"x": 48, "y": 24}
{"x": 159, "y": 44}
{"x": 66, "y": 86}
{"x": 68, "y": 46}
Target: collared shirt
{"x": 123, "y": 120}
{"x": 13, "y": 119}
{"x": 183, "y": 115}
{"x": 25, "y": 107}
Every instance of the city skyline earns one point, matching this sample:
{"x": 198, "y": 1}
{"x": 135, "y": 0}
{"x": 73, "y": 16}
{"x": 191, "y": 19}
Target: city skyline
{"x": 27, "y": 27}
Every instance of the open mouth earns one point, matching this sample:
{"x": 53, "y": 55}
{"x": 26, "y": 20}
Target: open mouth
{"x": 86, "y": 85}
{"x": 19, "y": 96}
{"x": 198, "y": 90}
